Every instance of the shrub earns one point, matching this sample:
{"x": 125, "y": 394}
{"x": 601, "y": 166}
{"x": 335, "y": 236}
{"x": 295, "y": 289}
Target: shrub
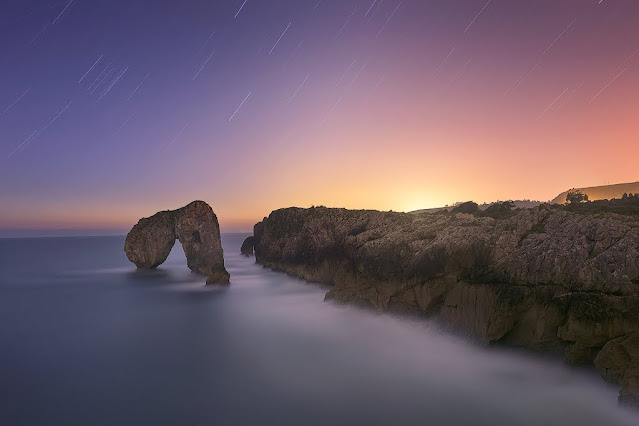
{"x": 576, "y": 196}
{"x": 500, "y": 210}
{"x": 469, "y": 207}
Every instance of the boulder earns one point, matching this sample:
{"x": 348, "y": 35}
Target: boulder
{"x": 149, "y": 242}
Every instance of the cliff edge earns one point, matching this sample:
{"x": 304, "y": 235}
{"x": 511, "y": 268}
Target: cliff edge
{"x": 540, "y": 278}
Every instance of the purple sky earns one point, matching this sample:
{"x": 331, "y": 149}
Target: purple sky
{"x": 111, "y": 110}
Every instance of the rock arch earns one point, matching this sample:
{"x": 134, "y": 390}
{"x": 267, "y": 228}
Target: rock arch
{"x": 150, "y": 241}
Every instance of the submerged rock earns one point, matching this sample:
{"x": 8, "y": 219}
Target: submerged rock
{"x": 149, "y": 242}
{"x": 543, "y": 278}
{"x": 247, "y": 246}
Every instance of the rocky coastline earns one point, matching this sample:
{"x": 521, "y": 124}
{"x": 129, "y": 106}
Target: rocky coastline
{"x": 543, "y": 278}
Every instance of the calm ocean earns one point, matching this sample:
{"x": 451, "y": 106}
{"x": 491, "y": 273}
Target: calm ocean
{"x": 85, "y": 339}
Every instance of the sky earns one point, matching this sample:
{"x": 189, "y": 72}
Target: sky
{"x": 111, "y": 110}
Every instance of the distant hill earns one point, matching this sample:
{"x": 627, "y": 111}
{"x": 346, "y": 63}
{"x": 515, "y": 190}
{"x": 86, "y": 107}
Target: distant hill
{"x": 605, "y": 192}
{"x": 431, "y": 210}
{"x": 520, "y": 204}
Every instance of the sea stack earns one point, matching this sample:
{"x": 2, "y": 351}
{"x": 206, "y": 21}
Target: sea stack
{"x": 150, "y": 241}
{"x": 248, "y": 246}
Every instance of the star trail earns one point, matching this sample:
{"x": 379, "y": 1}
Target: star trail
{"x": 384, "y": 104}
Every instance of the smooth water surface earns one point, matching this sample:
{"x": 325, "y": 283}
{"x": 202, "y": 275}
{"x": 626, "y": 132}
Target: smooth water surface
{"x": 85, "y": 339}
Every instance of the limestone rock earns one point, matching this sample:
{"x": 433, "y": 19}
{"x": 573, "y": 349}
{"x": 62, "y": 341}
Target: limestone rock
{"x": 149, "y": 242}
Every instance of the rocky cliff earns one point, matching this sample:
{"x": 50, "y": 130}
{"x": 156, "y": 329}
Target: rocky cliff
{"x": 540, "y": 278}
{"x": 149, "y": 242}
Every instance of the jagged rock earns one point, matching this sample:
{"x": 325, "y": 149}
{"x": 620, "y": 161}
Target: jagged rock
{"x": 540, "y": 278}
{"x": 149, "y": 242}
{"x": 248, "y": 246}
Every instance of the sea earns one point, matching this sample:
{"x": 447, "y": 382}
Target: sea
{"x": 86, "y": 339}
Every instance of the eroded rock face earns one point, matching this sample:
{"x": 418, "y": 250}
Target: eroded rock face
{"x": 248, "y": 246}
{"x": 149, "y": 242}
{"x": 618, "y": 362}
{"x": 541, "y": 278}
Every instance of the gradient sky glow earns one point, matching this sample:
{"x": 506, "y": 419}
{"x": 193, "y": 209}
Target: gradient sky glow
{"x": 359, "y": 103}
